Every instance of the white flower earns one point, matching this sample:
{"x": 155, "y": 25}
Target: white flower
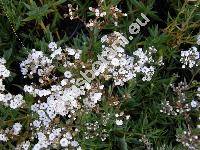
{"x": 56, "y": 52}
{"x": 127, "y": 117}
{"x": 190, "y": 57}
{"x": 17, "y": 128}
{"x": 52, "y": 136}
{"x": 3, "y": 71}
{"x": 52, "y": 46}
{"x": 115, "y": 62}
{"x": 68, "y": 135}
{"x": 64, "y": 142}
{"x": 28, "y": 89}
{"x": 63, "y": 82}
{"x": 17, "y": 101}
{"x": 104, "y": 38}
{"x": 119, "y": 122}
{"x": 194, "y": 103}
{"x": 37, "y": 147}
{"x": 96, "y": 97}
{"x": 79, "y": 148}
{"x": 36, "y": 123}
{"x": 3, "y": 137}
{"x": 87, "y": 86}
{"x": 90, "y": 8}
{"x": 41, "y": 136}
{"x": 70, "y": 51}
{"x": 25, "y": 145}
{"x": 77, "y": 56}
{"x": 74, "y": 143}
{"x": 2, "y": 97}
{"x": 67, "y": 74}
{"x": 103, "y": 14}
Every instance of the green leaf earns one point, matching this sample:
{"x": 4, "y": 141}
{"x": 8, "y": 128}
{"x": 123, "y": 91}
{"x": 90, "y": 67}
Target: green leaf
{"x": 122, "y": 144}
{"x": 7, "y": 53}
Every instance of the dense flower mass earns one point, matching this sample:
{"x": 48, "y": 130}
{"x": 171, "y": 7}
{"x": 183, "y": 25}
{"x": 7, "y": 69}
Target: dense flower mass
{"x": 60, "y": 92}
{"x": 103, "y": 74}
{"x": 190, "y": 58}
{"x": 120, "y": 66}
{"x": 6, "y": 98}
{"x": 67, "y": 94}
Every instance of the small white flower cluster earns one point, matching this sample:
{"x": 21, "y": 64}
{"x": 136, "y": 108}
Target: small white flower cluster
{"x": 62, "y": 97}
{"x": 49, "y": 137}
{"x": 67, "y": 140}
{"x": 116, "y": 63}
{"x": 119, "y": 121}
{"x": 189, "y": 140}
{"x": 39, "y": 64}
{"x": 182, "y": 105}
{"x": 95, "y": 129}
{"x": 145, "y": 58}
{"x": 97, "y": 12}
{"x": 120, "y": 66}
{"x": 190, "y": 57}
{"x": 168, "y": 109}
{"x": 36, "y": 63}
{"x": 3, "y": 137}
{"x": 99, "y": 128}
{"x": 16, "y": 128}
{"x": 23, "y": 146}
{"x": 4, "y": 73}
{"x": 180, "y": 90}
{"x": 198, "y": 92}
{"x": 72, "y": 12}
{"x": 13, "y": 101}
{"x": 91, "y": 127}
{"x": 36, "y": 92}
{"x": 9, "y": 133}
{"x": 76, "y": 53}
{"x": 101, "y": 13}
{"x": 194, "y": 104}
{"x": 178, "y": 107}
{"x": 60, "y": 101}
{"x": 146, "y": 142}
{"x": 94, "y": 95}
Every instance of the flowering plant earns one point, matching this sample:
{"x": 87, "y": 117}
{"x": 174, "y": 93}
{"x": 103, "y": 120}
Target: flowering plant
{"x": 90, "y": 84}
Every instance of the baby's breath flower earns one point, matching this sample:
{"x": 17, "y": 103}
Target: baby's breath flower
{"x": 67, "y": 74}
{"x": 190, "y": 57}
{"x": 52, "y": 46}
{"x": 119, "y": 122}
{"x": 16, "y": 128}
{"x": 64, "y": 142}
{"x": 3, "y": 137}
{"x": 194, "y": 103}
